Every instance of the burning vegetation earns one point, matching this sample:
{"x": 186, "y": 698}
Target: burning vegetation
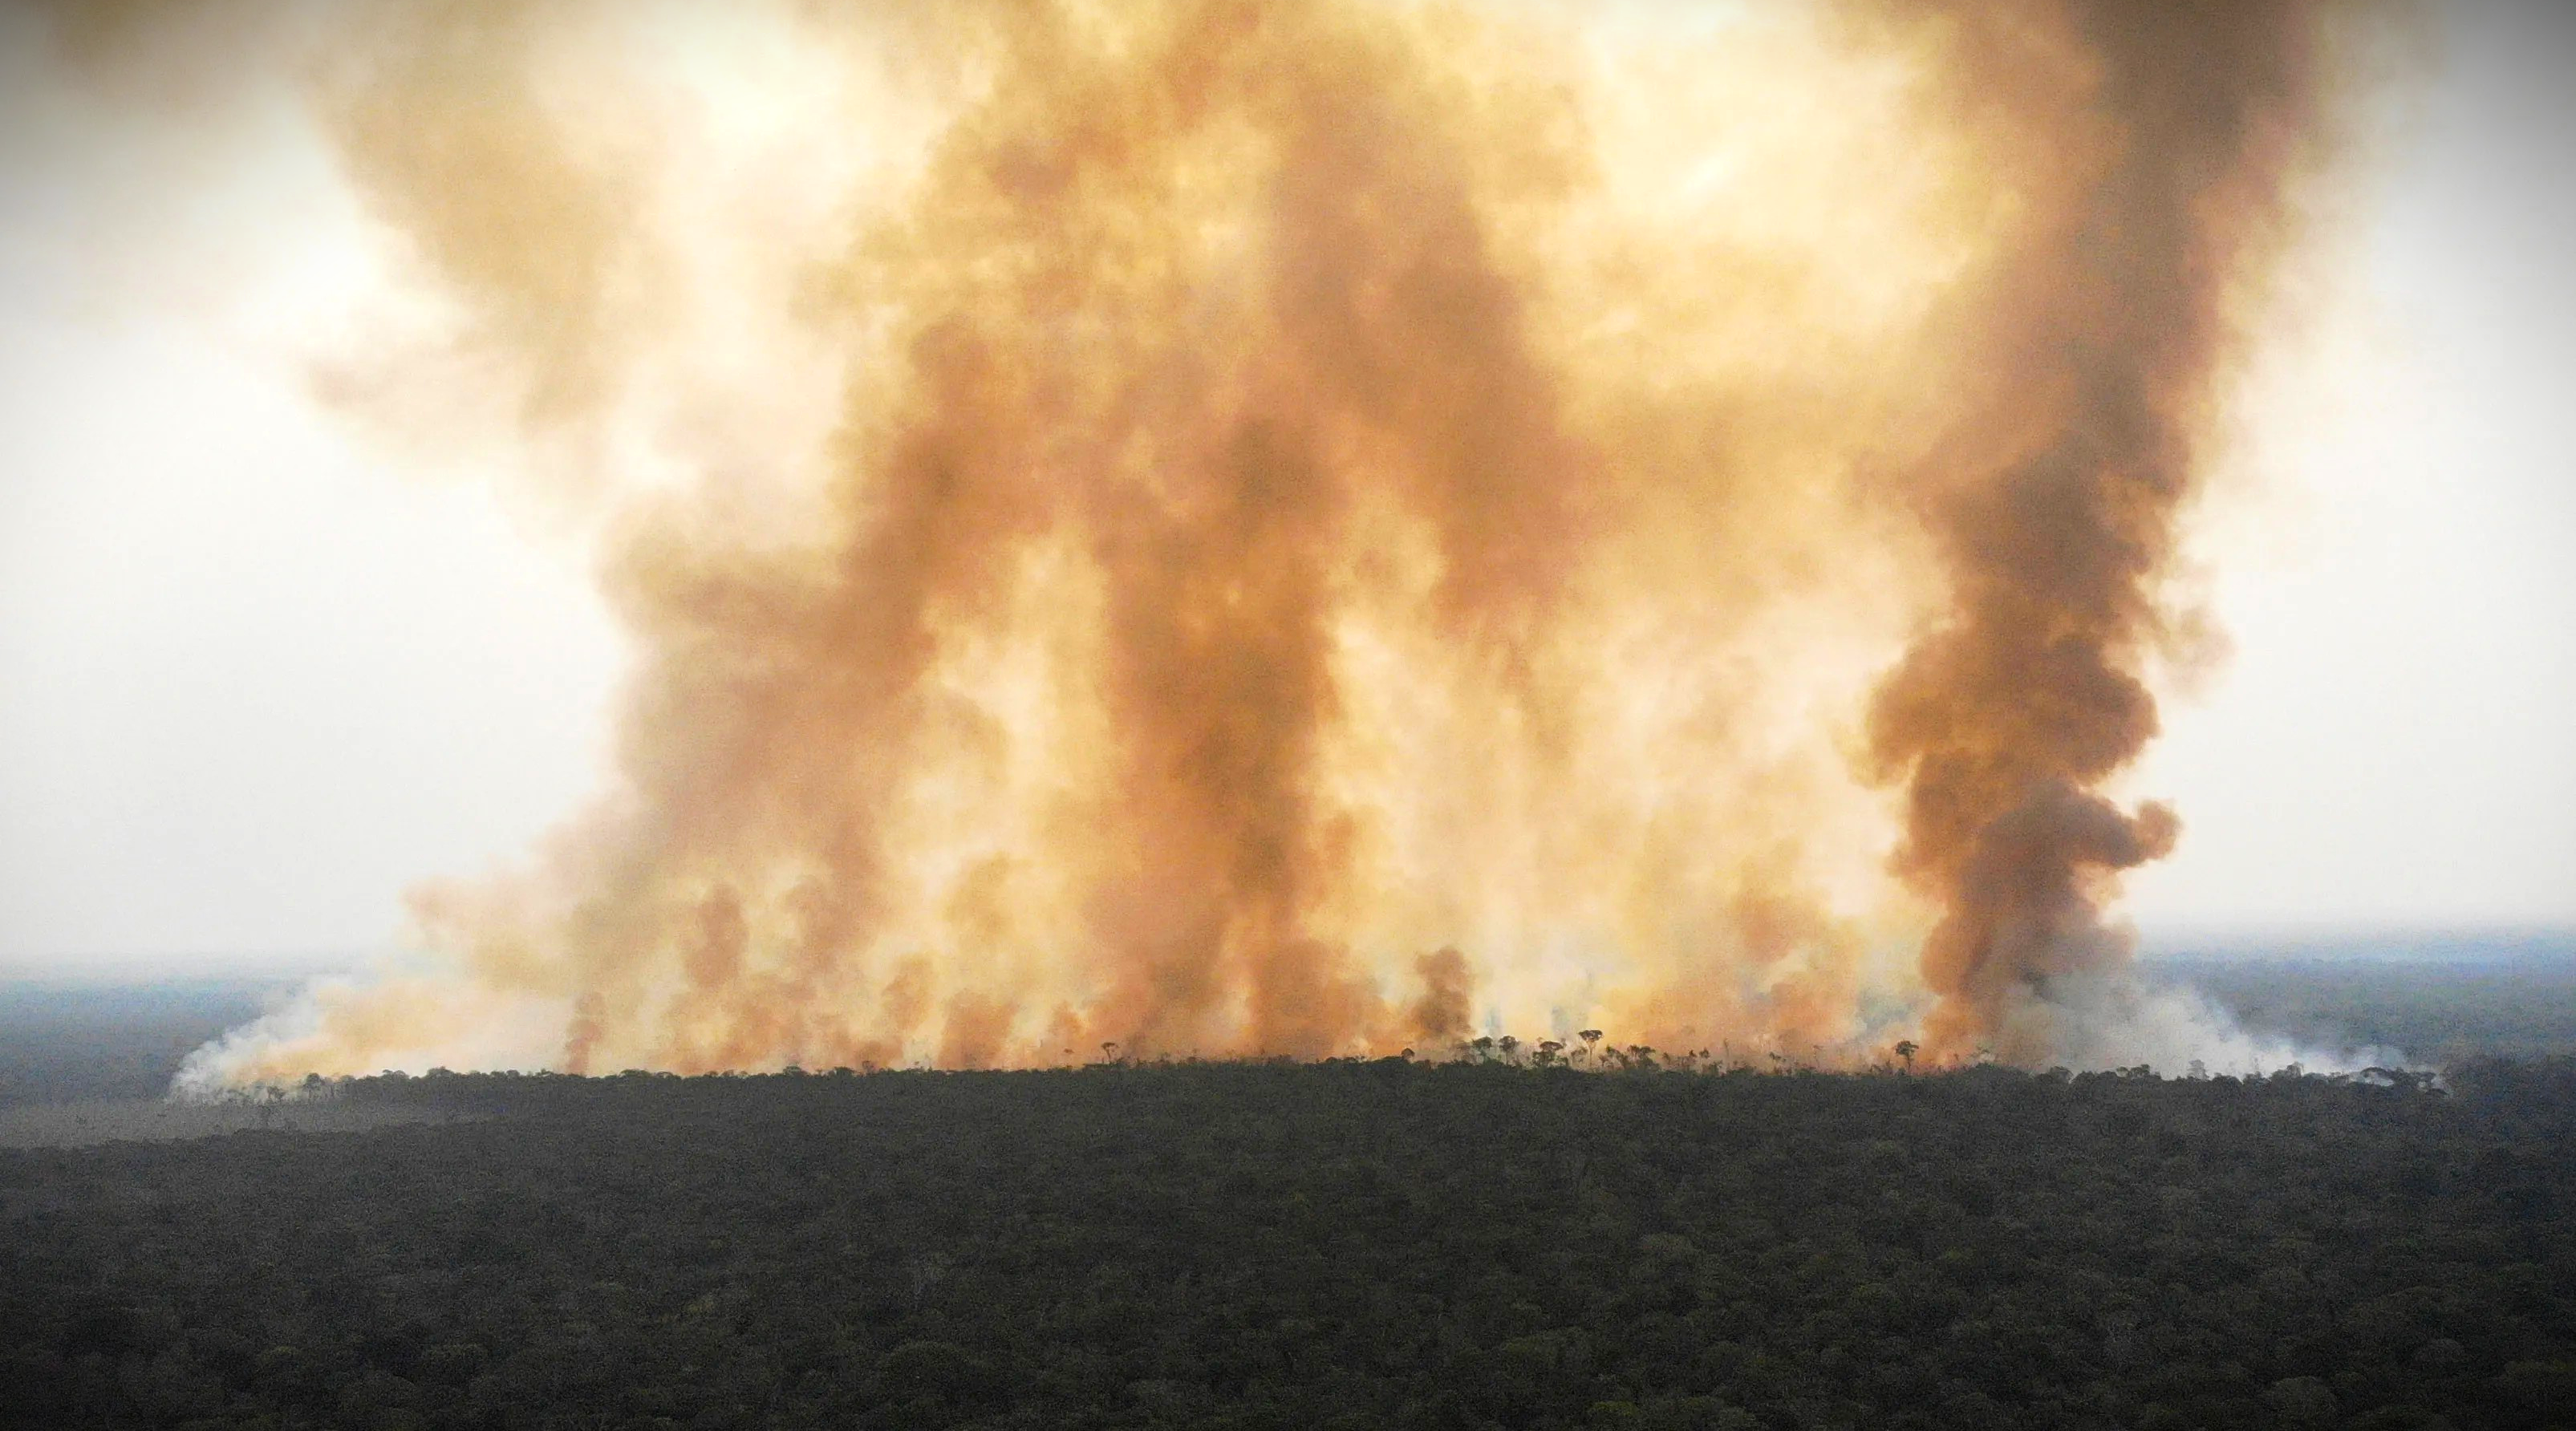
{"x": 1310, "y": 528}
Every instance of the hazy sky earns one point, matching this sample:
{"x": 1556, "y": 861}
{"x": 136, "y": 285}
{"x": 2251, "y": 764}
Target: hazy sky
{"x": 257, "y": 676}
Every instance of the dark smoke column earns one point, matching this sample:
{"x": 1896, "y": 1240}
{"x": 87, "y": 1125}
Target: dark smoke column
{"x": 2140, "y": 155}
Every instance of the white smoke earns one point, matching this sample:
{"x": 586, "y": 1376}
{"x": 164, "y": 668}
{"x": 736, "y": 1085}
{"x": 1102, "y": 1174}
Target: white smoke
{"x": 2124, "y": 1019}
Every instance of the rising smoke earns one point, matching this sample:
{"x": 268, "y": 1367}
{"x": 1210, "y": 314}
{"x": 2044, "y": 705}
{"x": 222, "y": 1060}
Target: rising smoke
{"x": 1313, "y": 528}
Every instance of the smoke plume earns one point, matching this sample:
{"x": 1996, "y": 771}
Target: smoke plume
{"x": 1308, "y": 528}
{"x": 2053, "y": 498}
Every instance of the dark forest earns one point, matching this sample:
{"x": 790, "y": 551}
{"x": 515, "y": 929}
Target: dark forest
{"x": 1348, "y": 1244}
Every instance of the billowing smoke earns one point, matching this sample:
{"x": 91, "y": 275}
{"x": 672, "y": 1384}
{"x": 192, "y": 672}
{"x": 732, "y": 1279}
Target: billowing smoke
{"x": 1309, "y": 528}
{"x": 2053, "y": 495}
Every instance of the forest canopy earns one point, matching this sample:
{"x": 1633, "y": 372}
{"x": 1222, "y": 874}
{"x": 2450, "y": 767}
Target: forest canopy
{"x": 1350, "y": 1244}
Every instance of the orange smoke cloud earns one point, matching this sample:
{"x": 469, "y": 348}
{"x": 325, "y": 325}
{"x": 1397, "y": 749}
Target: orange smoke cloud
{"x": 1140, "y": 521}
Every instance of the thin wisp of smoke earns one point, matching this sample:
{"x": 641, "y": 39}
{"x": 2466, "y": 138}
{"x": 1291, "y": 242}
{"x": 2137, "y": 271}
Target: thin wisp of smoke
{"x": 1311, "y": 528}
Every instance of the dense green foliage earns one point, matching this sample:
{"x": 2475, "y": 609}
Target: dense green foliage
{"x": 1341, "y": 1245}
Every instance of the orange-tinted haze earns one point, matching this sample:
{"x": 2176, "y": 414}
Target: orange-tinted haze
{"x": 1313, "y": 528}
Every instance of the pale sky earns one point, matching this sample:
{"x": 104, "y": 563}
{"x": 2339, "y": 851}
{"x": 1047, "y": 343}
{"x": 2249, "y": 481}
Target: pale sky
{"x": 2395, "y": 740}
{"x": 258, "y": 676}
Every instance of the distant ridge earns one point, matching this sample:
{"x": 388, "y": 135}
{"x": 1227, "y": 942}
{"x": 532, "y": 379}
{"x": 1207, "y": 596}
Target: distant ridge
{"x": 2429, "y": 944}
